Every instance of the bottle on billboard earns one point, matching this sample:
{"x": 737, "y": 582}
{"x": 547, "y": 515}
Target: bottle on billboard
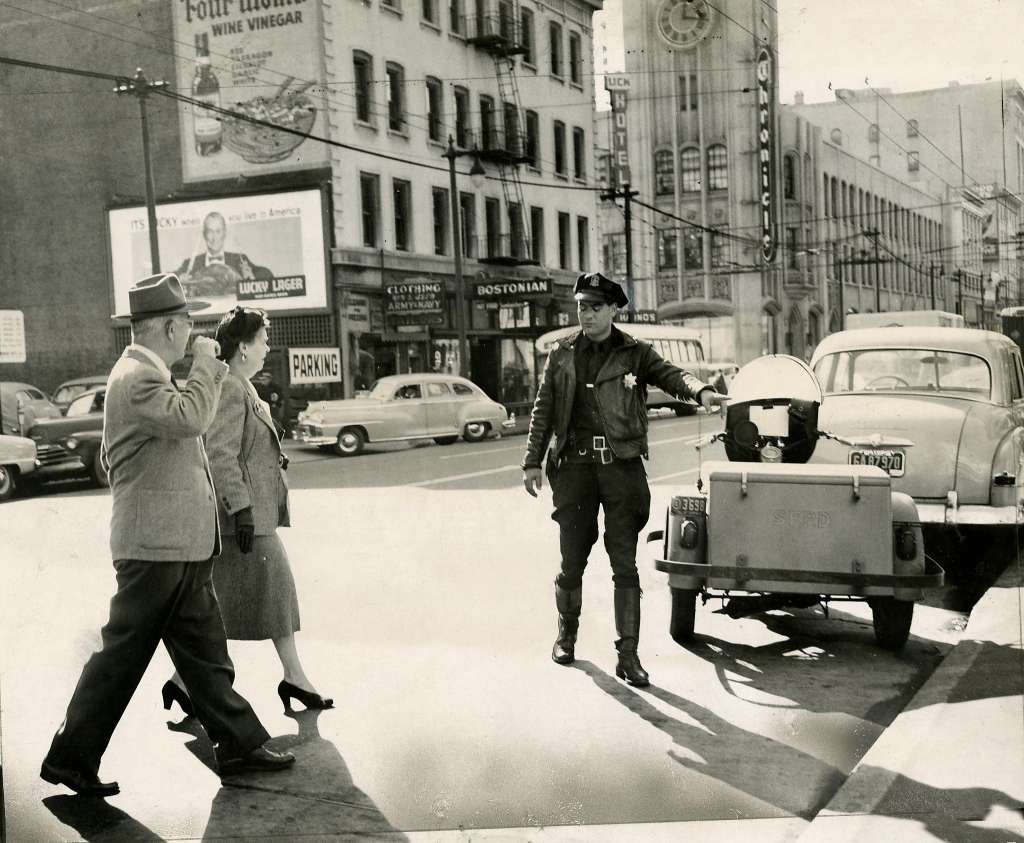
{"x": 206, "y": 125}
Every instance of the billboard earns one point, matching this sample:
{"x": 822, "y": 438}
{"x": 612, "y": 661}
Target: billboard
{"x": 262, "y": 250}
{"x": 262, "y": 60}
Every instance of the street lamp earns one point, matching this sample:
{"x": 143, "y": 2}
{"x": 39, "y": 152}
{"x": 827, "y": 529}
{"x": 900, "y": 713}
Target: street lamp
{"x": 477, "y": 175}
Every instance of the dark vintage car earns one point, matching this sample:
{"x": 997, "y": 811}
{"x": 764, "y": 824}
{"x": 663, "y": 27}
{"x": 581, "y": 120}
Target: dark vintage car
{"x": 70, "y": 446}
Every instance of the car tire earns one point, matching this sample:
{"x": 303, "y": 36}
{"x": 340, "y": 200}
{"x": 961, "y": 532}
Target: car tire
{"x": 891, "y": 619}
{"x": 350, "y": 442}
{"x": 684, "y": 614}
{"x": 446, "y": 440}
{"x": 475, "y": 431}
{"x": 684, "y": 410}
{"x": 96, "y": 472}
{"x": 8, "y": 484}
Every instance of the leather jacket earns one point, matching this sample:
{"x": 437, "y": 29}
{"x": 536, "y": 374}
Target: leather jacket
{"x": 621, "y": 395}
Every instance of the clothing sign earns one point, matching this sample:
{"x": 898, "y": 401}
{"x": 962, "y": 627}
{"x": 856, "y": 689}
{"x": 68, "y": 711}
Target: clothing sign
{"x": 314, "y": 365}
{"x": 766, "y": 150}
{"x": 12, "y": 336}
{"x": 255, "y": 58}
{"x": 617, "y": 86}
{"x": 265, "y": 250}
{"x": 414, "y": 297}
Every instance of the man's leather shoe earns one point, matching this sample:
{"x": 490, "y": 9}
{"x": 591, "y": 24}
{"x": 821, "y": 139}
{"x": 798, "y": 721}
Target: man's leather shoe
{"x": 81, "y": 783}
{"x": 259, "y": 760}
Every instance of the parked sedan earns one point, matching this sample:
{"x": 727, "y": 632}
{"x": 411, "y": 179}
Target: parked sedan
{"x": 70, "y": 390}
{"x": 403, "y": 407}
{"x": 942, "y": 411}
{"x": 17, "y": 458}
{"x": 70, "y": 445}
{"x": 21, "y": 404}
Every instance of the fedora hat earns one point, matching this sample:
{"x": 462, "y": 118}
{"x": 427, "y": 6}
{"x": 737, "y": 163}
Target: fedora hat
{"x": 159, "y": 295}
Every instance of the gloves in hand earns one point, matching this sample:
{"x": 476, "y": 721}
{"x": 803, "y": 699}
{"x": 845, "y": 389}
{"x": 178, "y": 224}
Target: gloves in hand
{"x": 245, "y": 529}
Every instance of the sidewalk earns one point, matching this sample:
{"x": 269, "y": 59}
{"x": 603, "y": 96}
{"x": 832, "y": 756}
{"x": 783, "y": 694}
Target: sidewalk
{"x": 973, "y": 707}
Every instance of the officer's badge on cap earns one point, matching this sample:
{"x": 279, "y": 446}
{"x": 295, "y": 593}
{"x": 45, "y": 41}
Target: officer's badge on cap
{"x": 593, "y": 286}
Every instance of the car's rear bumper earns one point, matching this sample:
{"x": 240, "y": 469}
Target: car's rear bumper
{"x": 508, "y": 424}
{"x": 969, "y": 515}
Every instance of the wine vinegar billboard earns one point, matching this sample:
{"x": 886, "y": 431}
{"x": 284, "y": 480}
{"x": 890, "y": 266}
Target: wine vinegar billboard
{"x": 258, "y": 59}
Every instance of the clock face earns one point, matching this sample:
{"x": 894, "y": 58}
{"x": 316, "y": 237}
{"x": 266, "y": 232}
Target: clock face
{"x": 684, "y": 22}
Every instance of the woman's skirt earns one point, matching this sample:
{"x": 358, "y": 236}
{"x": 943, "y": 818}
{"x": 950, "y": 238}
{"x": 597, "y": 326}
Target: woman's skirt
{"x": 256, "y": 590}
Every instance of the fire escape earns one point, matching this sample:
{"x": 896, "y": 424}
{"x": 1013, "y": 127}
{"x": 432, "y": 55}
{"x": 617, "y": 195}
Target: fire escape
{"x": 495, "y": 29}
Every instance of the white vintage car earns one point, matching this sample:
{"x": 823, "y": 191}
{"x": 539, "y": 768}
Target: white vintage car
{"x": 400, "y": 408}
{"x": 941, "y": 410}
{"x": 17, "y": 458}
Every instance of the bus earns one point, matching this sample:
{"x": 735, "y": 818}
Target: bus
{"x": 680, "y": 346}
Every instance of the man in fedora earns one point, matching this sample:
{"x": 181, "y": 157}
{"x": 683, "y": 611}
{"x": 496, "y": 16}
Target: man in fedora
{"x": 592, "y": 403}
{"x": 163, "y": 537}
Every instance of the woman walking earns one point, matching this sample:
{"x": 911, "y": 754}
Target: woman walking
{"x": 252, "y": 577}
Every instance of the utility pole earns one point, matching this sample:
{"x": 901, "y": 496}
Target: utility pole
{"x": 931, "y": 276}
{"x": 627, "y": 195}
{"x": 139, "y": 86}
{"x": 874, "y": 234}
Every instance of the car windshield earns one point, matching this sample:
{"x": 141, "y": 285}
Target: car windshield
{"x": 382, "y": 389}
{"x": 904, "y": 370}
{"x": 67, "y": 393}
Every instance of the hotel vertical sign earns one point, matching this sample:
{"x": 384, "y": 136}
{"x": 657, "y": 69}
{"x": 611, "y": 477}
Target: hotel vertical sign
{"x": 766, "y": 149}
{"x": 617, "y": 86}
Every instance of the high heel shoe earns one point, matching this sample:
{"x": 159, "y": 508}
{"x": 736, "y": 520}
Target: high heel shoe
{"x": 287, "y": 691}
{"x": 172, "y": 693}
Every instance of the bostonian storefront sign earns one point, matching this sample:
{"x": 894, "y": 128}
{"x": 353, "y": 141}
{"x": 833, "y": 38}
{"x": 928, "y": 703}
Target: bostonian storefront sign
{"x": 515, "y": 289}
{"x": 765, "y": 149}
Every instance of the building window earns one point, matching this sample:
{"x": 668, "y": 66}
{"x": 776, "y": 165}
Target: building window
{"x": 455, "y": 16}
{"x": 559, "y": 148}
{"x": 718, "y": 168}
{"x": 396, "y": 97}
{"x": 369, "y": 194}
{"x": 435, "y": 110}
{"x": 430, "y": 11}
{"x": 913, "y": 162}
{"x": 873, "y": 133}
{"x": 362, "y": 67}
{"x": 555, "y": 48}
{"x": 664, "y": 177}
{"x": 768, "y": 341}
{"x": 575, "y": 59}
{"x": 564, "y": 240}
{"x": 689, "y": 169}
{"x": 667, "y": 248}
{"x": 467, "y": 216}
{"x": 533, "y": 139}
{"x": 506, "y": 21}
{"x": 403, "y": 214}
{"x": 517, "y": 236}
{"x": 615, "y": 254}
{"x": 693, "y": 249}
{"x": 526, "y": 36}
{"x": 441, "y": 214}
{"x": 789, "y": 177}
{"x": 513, "y": 140}
{"x": 462, "y": 118}
{"x": 688, "y": 92}
{"x": 719, "y": 250}
{"x": 791, "y": 247}
{"x": 492, "y": 219}
{"x": 579, "y": 153}
{"x": 583, "y": 243}
{"x": 537, "y": 234}
{"x": 911, "y": 128}
{"x": 487, "y": 131}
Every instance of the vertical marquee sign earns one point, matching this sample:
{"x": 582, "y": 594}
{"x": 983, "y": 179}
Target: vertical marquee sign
{"x": 617, "y": 86}
{"x": 765, "y": 148}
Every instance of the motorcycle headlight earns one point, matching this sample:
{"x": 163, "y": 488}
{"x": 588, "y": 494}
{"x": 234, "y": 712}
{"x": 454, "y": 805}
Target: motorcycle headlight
{"x": 771, "y": 453}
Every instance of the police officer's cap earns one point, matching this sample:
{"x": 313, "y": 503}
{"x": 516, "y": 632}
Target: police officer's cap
{"x": 593, "y": 286}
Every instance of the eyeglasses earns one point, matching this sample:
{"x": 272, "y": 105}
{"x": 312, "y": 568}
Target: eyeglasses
{"x": 590, "y": 307}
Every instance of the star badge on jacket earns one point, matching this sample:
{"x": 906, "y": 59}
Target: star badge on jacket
{"x": 629, "y": 380}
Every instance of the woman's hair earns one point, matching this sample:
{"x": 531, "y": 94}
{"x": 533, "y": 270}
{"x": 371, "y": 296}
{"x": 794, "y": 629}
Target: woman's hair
{"x": 239, "y": 325}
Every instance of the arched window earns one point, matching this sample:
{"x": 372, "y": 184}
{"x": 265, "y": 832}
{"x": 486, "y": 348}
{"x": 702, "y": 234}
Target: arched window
{"x": 664, "y": 175}
{"x": 690, "y": 170}
{"x": 718, "y": 168}
{"x": 789, "y": 177}
{"x": 768, "y": 341}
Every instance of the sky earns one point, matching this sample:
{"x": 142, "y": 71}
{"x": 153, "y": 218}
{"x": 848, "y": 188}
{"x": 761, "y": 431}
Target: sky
{"x": 904, "y": 45}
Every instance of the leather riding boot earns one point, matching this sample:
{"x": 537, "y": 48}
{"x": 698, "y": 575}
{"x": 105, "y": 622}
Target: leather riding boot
{"x": 569, "y": 603}
{"x": 627, "y": 625}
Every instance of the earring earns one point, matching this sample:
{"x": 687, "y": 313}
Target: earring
{"x": 243, "y": 356}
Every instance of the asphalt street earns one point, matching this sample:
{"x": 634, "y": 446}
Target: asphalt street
{"x": 424, "y": 576}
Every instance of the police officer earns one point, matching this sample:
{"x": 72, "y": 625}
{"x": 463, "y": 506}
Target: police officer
{"x": 592, "y": 402}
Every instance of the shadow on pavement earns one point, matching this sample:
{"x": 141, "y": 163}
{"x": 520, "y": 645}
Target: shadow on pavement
{"x": 96, "y": 820}
{"x": 770, "y": 771}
